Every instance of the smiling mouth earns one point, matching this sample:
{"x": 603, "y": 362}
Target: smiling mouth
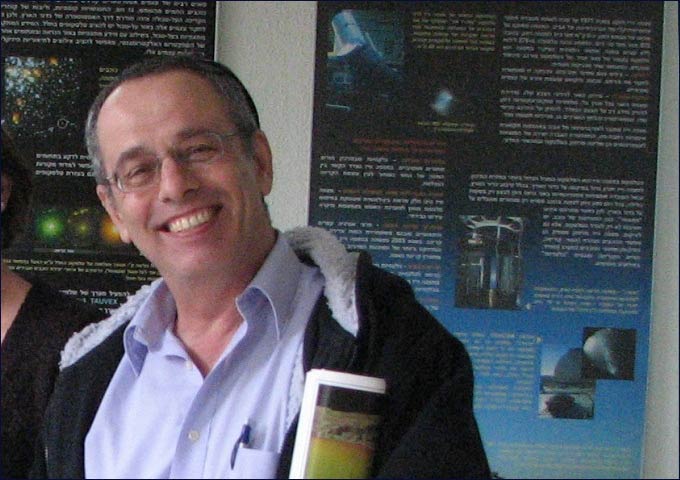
{"x": 190, "y": 221}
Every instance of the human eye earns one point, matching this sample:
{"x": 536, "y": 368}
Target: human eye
{"x": 202, "y": 149}
{"x": 138, "y": 173}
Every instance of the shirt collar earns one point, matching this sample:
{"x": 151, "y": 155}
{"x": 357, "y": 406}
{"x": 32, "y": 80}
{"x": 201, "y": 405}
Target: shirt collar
{"x": 275, "y": 283}
{"x": 146, "y": 329}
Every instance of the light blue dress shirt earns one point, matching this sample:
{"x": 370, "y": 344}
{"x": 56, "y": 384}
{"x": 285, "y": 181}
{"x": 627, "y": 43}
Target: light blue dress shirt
{"x": 160, "y": 418}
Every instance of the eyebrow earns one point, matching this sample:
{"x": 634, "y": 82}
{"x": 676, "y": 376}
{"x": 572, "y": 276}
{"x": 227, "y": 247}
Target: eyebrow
{"x": 184, "y": 134}
{"x": 130, "y": 154}
{"x": 193, "y": 132}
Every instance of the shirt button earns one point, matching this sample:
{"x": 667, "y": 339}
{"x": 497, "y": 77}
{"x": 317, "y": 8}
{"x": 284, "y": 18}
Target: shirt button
{"x": 193, "y": 435}
{"x": 188, "y": 364}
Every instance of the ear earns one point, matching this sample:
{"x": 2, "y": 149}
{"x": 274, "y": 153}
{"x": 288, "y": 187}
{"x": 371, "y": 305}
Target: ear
{"x": 109, "y": 203}
{"x": 262, "y": 156}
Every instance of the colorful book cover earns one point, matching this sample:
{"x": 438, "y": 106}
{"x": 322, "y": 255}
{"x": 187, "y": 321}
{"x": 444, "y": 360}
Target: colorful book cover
{"x": 339, "y": 420}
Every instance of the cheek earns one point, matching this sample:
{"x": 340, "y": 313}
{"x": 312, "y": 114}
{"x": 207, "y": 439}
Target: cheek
{"x": 120, "y": 227}
{"x": 255, "y": 182}
{"x": 128, "y": 219}
{"x": 242, "y": 184}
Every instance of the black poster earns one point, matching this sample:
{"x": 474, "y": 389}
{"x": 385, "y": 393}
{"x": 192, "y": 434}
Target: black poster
{"x": 501, "y": 156}
{"x": 55, "y": 58}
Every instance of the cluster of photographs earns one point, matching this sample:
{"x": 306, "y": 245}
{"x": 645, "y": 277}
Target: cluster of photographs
{"x": 42, "y": 95}
{"x": 569, "y": 374}
{"x": 42, "y": 105}
{"x": 370, "y": 72}
{"x": 490, "y": 267}
{"x": 81, "y": 228}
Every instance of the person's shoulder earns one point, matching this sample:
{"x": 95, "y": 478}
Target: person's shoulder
{"x": 398, "y": 312}
{"x": 378, "y": 280}
{"x": 49, "y": 317}
{"x": 58, "y": 310}
{"x": 95, "y": 347}
{"x": 388, "y": 292}
{"x": 106, "y": 335}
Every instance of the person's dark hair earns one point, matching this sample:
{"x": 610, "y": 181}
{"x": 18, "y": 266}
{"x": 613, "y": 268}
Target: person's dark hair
{"x": 241, "y": 107}
{"x": 16, "y": 211}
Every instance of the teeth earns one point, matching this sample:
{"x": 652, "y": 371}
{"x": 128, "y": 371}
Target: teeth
{"x": 190, "y": 222}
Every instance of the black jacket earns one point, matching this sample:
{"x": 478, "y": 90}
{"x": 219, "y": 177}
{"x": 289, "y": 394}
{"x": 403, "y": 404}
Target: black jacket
{"x": 428, "y": 430}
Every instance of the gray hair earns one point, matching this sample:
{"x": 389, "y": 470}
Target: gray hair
{"x": 240, "y": 105}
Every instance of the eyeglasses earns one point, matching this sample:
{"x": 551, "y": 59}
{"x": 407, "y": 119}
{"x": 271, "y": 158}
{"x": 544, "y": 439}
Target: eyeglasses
{"x": 140, "y": 169}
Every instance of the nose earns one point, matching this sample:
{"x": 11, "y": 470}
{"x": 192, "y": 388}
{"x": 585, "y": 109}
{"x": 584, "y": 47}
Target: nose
{"x": 176, "y": 181}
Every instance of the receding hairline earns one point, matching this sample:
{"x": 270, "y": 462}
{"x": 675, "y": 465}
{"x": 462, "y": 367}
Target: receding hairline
{"x": 236, "y": 102}
{"x": 177, "y": 72}
{"x": 223, "y": 113}
{"x": 224, "y": 109}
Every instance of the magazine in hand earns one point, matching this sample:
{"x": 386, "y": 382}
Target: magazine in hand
{"x": 339, "y": 420}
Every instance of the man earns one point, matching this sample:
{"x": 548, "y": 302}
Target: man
{"x": 163, "y": 387}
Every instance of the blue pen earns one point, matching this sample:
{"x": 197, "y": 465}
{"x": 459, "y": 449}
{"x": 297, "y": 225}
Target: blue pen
{"x": 242, "y": 441}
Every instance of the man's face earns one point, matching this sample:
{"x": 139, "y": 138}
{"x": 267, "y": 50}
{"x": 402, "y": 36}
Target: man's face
{"x": 207, "y": 218}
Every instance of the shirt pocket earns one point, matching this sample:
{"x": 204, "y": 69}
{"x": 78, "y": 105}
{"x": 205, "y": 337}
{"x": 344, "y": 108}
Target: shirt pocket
{"x": 251, "y": 463}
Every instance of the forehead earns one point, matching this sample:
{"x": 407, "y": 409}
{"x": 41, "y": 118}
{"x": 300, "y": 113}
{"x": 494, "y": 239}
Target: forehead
{"x": 156, "y": 108}
{"x": 178, "y": 86}
{"x": 163, "y": 95}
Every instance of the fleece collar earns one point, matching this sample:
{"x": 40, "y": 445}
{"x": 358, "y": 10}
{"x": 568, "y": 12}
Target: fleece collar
{"x": 337, "y": 265}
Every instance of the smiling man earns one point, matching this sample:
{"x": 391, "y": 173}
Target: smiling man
{"x": 223, "y": 339}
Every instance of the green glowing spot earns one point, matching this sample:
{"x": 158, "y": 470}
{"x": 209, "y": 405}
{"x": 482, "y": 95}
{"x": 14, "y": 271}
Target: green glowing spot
{"x": 50, "y": 226}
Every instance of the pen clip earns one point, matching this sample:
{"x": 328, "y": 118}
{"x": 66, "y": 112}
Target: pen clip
{"x": 242, "y": 441}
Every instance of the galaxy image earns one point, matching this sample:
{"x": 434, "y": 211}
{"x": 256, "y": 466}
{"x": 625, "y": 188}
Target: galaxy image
{"x": 41, "y": 97}
{"x": 81, "y": 228}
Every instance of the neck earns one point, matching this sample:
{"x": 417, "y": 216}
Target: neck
{"x": 206, "y": 337}
{"x": 207, "y": 316}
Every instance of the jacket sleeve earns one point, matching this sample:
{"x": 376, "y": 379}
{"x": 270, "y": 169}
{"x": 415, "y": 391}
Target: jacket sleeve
{"x": 437, "y": 434}
{"x": 429, "y": 428}
{"x": 78, "y": 391}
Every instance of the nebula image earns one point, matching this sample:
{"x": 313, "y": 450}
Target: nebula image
{"x": 109, "y": 233}
{"x": 42, "y": 96}
{"x": 81, "y": 227}
{"x": 50, "y": 226}
{"x": 610, "y": 353}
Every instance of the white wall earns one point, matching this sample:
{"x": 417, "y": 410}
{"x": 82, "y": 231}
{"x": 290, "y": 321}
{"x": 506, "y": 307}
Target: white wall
{"x": 270, "y": 46}
{"x": 661, "y": 427}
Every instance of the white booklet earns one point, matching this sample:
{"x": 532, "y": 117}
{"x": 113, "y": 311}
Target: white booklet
{"x": 339, "y": 420}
